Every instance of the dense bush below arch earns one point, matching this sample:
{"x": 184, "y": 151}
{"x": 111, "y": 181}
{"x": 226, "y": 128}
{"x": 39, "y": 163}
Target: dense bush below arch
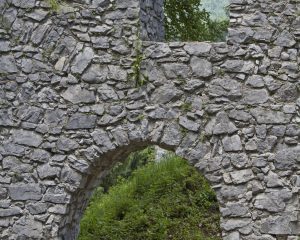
{"x": 165, "y": 200}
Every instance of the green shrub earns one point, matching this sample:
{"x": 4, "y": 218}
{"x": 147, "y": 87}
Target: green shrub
{"x": 166, "y": 200}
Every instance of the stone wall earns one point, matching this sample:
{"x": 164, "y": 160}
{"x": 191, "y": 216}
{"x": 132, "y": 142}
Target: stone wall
{"x": 79, "y": 91}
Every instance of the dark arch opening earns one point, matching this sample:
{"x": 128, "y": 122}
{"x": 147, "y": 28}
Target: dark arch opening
{"x": 193, "y": 198}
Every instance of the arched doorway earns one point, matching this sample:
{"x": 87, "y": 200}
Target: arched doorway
{"x": 164, "y": 198}
{"x": 101, "y": 167}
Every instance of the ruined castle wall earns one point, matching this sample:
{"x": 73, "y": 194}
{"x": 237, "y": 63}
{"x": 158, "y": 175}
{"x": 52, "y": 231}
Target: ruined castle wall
{"x": 79, "y": 91}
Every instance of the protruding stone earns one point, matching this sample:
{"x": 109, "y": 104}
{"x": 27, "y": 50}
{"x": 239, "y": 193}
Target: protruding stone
{"x": 232, "y": 144}
{"x": 22, "y": 191}
{"x": 75, "y": 94}
{"x": 27, "y": 138}
{"x": 82, "y": 60}
{"x": 7, "y": 65}
{"x": 201, "y": 67}
{"x": 48, "y": 171}
{"x": 265, "y": 116}
{"x": 81, "y": 121}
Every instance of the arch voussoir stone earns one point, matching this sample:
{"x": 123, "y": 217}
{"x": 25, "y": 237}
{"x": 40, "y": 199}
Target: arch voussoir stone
{"x": 82, "y": 88}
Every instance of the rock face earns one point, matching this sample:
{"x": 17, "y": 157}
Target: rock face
{"x": 79, "y": 94}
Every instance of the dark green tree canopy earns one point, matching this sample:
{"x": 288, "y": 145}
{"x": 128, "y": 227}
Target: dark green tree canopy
{"x": 185, "y": 20}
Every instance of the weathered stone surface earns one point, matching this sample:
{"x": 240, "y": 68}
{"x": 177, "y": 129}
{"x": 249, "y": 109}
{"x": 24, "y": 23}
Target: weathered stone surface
{"x": 172, "y": 135}
{"x": 188, "y": 124}
{"x": 95, "y": 74}
{"x": 82, "y": 60}
{"x": 165, "y": 94}
{"x": 40, "y": 155}
{"x": 66, "y": 144}
{"x": 76, "y": 94}
{"x": 287, "y": 158}
{"x": 81, "y": 87}
{"x": 264, "y": 116}
{"x": 254, "y": 97}
{"x": 37, "y": 208}
{"x": 27, "y": 138}
{"x": 6, "y": 118}
{"x": 273, "y": 201}
{"x": 48, "y": 171}
{"x": 241, "y": 176}
{"x": 21, "y": 191}
{"x": 28, "y": 227}
{"x": 232, "y": 144}
{"x": 7, "y": 65}
{"x": 280, "y": 225}
{"x": 223, "y": 125}
{"x": 201, "y": 67}
{"x": 12, "y": 163}
{"x": 10, "y": 212}
{"x": 198, "y": 49}
{"x": 81, "y": 121}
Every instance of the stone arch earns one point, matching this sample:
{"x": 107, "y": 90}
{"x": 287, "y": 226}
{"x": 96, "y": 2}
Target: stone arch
{"x": 97, "y": 169}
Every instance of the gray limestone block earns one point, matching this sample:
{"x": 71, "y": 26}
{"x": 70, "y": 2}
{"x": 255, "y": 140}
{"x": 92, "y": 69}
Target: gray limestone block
{"x": 232, "y": 143}
{"x": 201, "y": 67}
{"x": 21, "y": 191}
{"x": 172, "y": 135}
{"x": 71, "y": 178}
{"x": 4, "y": 46}
{"x": 280, "y": 225}
{"x": 9, "y": 148}
{"x": 254, "y": 97}
{"x": 166, "y": 94}
{"x": 66, "y": 144}
{"x": 82, "y": 60}
{"x": 238, "y": 209}
{"x": 12, "y": 163}
{"x": 286, "y": 159}
{"x": 40, "y": 155}
{"x": 240, "y": 35}
{"x": 6, "y": 118}
{"x": 96, "y": 73}
{"x": 232, "y": 224}
{"x": 75, "y": 94}
{"x": 265, "y": 116}
{"x": 107, "y": 93}
{"x": 273, "y": 201}
{"x": 198, "y": 49}
{"x": 27, "y": 138}
{"x": 102, "y": 139}
{"x": 24, "y": 3}
{"x": 223, "y": 125}
{"x": 81, "y": 121}
{"x": 28, "y": 228}
{"x": 285, "y": 39}
{"x": 176, "y": 70}
{"x": 189, "y": 124}
{"x": 46, "y": 171}
{"x": 241, "y": 176}
{"x": 7, "y": 65}
{"x": 37, "y": 208}
{"x": 12, "y": 211}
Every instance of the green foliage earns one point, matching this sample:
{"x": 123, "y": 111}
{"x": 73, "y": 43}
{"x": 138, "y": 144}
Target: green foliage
{"x": 123, "y": 170}
{"x": 166, "y": 200}
{"x": 187, "y": 21}
{"x": 54, "y": 5}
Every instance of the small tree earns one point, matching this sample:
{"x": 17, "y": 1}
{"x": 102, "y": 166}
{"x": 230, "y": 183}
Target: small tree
{"x": 185, "y": 20}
